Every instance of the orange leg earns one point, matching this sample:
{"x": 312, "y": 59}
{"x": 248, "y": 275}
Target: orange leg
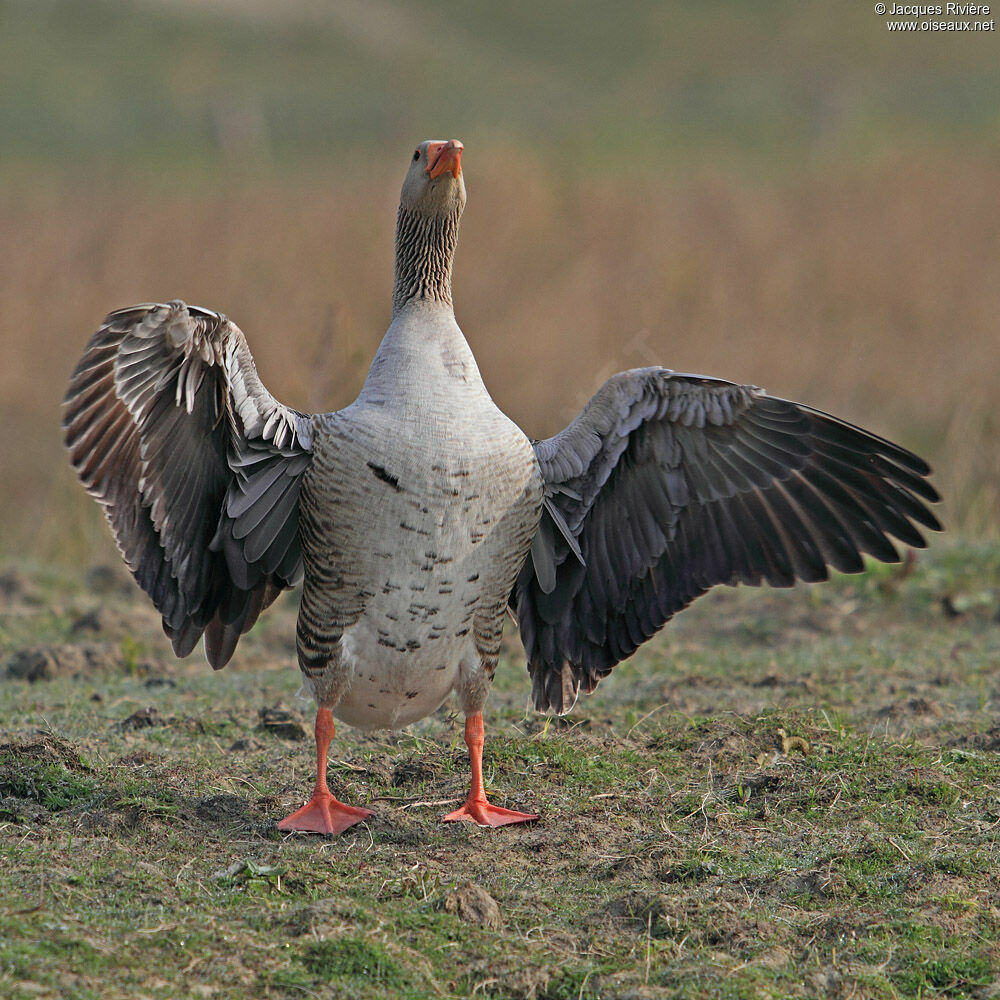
{"x": 477, "y": 808}
{"x": 323, "y": 813}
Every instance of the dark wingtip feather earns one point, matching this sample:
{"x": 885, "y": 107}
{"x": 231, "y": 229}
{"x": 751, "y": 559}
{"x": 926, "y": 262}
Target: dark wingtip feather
{"x": 184, "y": 638}
{"x": 220, "y": 642}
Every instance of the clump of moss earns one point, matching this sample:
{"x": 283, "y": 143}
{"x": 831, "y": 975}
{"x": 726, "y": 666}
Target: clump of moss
{"x": 47, "y": 772}
{"x": 352, "y": 956}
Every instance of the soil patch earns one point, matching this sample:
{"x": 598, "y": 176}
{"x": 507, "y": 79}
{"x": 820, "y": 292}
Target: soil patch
{"x": 43, "y": 663}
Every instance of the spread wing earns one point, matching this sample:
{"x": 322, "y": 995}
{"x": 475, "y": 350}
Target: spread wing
{"x": 198, "y": 468}
{"x": 666, "y": 485}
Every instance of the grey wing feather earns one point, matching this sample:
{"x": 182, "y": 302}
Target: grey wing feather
{"x": 198, "y": 468}
{"x": 666, "y": 485}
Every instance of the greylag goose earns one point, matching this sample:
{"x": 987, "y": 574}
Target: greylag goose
{"x": 417, "y": 516}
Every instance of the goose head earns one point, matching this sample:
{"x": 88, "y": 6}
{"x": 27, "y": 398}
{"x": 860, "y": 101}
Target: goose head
{"x": 434, "y": 185}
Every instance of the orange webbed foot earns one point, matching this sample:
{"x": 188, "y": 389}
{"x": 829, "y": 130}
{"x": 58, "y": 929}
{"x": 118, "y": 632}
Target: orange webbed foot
{"x": 477, "y": 808}
{"x": 485, "y": 813}
{"x": 324, "y": 814}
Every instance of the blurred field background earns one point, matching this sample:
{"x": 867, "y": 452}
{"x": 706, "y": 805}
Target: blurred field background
{"x": 786, "y": 194}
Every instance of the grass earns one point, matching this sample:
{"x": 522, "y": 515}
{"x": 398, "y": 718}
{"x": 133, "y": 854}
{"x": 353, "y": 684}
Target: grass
{"x": 785, "y": 794}
{"x": 199, "y": 84}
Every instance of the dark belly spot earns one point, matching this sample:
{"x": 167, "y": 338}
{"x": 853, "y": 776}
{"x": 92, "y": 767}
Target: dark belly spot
{"x": 386, "y": 477}
{"x": 442, "y": 667}
{"x": 412, "y": 694}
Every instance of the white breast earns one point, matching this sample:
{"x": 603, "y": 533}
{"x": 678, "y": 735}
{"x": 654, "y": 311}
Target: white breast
{"x": 417, "y": 513}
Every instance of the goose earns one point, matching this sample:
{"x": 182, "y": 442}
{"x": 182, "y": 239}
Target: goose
{"x": 417, "y": 517}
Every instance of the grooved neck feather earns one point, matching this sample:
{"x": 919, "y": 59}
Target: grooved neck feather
{"x": 425, "y": 249}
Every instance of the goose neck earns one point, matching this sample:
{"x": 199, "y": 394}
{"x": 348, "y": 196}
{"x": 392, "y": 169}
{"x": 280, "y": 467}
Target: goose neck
{"x": 425, "y": 249}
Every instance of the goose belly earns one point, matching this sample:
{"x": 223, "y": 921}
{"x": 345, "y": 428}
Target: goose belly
{"x": 412, "y": 535}
{"x": 395, "y": 683}
{"x": 420, "y": 588}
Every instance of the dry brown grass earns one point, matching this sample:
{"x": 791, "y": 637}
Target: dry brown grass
{"x": 870, "y": 293}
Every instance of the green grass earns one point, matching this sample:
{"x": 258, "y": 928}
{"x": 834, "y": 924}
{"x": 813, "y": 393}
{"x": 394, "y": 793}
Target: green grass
{"x": 52, "y": 786}
{"x": 813, "y": 812}
{"x": 171, "y": 86}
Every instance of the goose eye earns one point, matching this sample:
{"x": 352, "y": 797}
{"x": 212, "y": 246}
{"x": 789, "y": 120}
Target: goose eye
{"x": 416, "y": 155}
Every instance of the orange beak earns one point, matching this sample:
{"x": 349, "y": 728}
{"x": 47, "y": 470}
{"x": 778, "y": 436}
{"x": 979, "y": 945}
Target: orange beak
{"x": 442, "y": 156}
